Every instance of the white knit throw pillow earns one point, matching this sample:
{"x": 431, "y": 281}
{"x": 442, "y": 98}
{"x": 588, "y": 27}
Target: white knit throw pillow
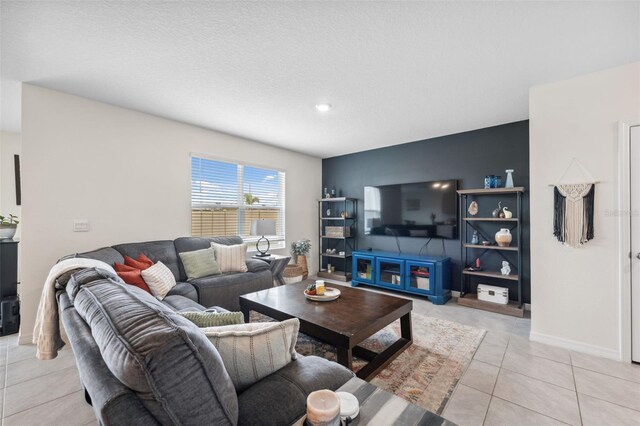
{"x": 231, "y": 258}
{"x": 252, "y": 351}
{"x": 160, "y": 279}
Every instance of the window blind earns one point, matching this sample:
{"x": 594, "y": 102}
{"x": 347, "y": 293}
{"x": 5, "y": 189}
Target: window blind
{"x": 226, "y": 197}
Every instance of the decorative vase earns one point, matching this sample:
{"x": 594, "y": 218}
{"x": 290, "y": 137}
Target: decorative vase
{"x": 504, "y": 237}
{"x": 509, "y": 183}
{"x": 301, "y": 261}
{"x": 8, "y": 231}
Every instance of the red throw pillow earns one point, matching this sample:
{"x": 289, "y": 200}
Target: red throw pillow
{"x": 142, "y": 262}
{"x": 131, "y": 275}
{"x": 144, "y": 259}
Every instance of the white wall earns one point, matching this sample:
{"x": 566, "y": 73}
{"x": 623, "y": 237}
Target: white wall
{"x": 9, "y": 146}
{"x": 128, "y": 173}
{"x": 574, "y": 292}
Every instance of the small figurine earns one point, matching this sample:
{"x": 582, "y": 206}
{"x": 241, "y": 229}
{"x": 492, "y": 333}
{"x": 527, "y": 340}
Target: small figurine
{"x": 473, "y": 208}
{"x": 496, "y": 212}
{"x": 506, "y": 269}
{"x": 508, "y": 214}
{"x": 474, "y": 238}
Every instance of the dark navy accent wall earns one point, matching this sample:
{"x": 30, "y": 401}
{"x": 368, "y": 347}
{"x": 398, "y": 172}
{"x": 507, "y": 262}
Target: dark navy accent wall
{"x": 467, "y": 157}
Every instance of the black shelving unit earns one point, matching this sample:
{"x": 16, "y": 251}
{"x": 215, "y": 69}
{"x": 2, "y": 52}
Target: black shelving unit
{"x": 9, "y": 300}
{"x": 470, "y": 252}
{"x": 336, "y": 205}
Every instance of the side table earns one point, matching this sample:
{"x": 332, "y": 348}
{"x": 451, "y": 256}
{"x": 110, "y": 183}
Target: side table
{"x": 276, "y": 264}
{"x": 379, "y": 407}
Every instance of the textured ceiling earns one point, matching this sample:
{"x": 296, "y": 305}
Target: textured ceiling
{"x": 394, "y": 71}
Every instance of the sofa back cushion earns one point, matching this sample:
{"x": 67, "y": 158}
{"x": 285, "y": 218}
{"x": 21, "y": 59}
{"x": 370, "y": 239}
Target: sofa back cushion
{"x": 184, "y": 244}
{"x": 165, "y": 359}
{"x": 107, "y": 254}
{"x": 163, "y": 251}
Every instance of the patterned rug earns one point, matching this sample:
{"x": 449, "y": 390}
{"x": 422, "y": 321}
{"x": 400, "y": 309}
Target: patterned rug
{"x": 427, "y": 372}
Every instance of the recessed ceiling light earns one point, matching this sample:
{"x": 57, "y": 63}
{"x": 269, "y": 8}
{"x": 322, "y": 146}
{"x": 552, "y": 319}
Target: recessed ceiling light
{"x": 436, "y": 185}
{"x": 323, "y": 107}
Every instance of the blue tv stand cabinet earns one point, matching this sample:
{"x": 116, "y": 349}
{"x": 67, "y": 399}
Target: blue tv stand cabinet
{"x": 422, "y": 275}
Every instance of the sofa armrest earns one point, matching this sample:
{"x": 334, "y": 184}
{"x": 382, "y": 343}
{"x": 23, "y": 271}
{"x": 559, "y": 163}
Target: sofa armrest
{"x": 256, "y": 265}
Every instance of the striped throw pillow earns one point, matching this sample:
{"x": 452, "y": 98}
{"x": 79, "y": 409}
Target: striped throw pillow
{"x": 213, "y": 319}
{"x": 252, "y": 351}
{"x": 231, "y": 258}
{"x": 160, "y": 279}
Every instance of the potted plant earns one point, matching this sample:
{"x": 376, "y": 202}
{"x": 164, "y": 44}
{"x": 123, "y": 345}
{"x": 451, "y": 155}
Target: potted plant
{"x": 299, "y": 250}
{"x": 8, "y": 226}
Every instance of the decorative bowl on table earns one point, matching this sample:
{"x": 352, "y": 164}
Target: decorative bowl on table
{"x": 330, "y": 294}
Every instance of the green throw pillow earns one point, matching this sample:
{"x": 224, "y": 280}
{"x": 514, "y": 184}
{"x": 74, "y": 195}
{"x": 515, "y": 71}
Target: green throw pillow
{"x": 200, "y": 263}
{"x": 213, "y": 319}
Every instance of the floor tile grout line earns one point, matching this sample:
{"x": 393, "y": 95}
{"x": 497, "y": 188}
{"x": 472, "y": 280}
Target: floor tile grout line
{"x": 38, "y": 405}
{"x": 529, "y": 409}
{"x": 40, "y": 376}
{"x": 538, "y": 380}
{"x": 608, "y": 402}
{"x": 543, "y": 380}
{"x": 608, "y": 375}
{"x": 573, "y": 374}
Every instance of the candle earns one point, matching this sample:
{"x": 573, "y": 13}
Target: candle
{"x": 320, "y": 287}
{"x": 323, "y": 408}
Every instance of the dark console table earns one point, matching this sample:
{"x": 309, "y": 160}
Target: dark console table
{"x": 9, "y": 302}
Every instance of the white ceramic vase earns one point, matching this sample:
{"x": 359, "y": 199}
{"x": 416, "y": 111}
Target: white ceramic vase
{"x": 504, "y": 237}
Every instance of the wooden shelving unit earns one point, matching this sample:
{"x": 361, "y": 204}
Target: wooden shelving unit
{"x": 470, "y": 252}
{"x": 471, "y": 300}
{"x": 346, "y": 244}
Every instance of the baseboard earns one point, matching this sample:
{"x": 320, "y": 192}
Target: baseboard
{"x": 527, "y": 306}
{"x": 575, "y": 346}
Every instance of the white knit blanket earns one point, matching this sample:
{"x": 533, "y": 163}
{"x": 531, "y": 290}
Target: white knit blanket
{"x": 46, "y": 333}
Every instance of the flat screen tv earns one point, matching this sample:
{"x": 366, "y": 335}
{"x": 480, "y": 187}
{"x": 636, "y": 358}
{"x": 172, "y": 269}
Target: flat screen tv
{"x": 421, "y": 210}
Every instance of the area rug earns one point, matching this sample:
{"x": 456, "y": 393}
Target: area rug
{"x": 427, "y": 372}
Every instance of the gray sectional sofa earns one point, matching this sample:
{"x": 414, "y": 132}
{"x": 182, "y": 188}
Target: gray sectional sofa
{"x": 217, "y": 290}
{"x": 141, "y": 363}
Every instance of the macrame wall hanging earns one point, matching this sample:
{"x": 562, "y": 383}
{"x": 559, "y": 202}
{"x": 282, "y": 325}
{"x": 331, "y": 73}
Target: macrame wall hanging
{"x": 573, "y": 208}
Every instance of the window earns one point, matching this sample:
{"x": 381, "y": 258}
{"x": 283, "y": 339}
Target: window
{"x": 226, "y": 197}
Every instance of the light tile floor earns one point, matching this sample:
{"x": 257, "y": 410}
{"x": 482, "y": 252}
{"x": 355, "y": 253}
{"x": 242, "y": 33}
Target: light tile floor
{"x": 510, "y": 381}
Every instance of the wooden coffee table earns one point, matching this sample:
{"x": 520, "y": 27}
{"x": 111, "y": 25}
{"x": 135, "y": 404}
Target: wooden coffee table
{"x": 344, "y": 323}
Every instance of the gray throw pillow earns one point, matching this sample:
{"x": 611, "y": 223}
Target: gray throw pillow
{"x": 213, "y": 319}
{"x": 200, "y": 263}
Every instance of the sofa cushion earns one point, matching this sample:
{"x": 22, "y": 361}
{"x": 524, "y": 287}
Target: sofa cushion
{"x": 141, "y": 340}
{"x": 253, "y": 351}
{"x": 163, "y": 251}
{"x": 184, "y": 289}
{"x": 261, "y": 404}
{"x": 107, "y": 254}
{"x": 257, "y": 265}
{"x": 199, "y": 263}
{"x": 224, "y": 290}
{"x": 179, "y": 303}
